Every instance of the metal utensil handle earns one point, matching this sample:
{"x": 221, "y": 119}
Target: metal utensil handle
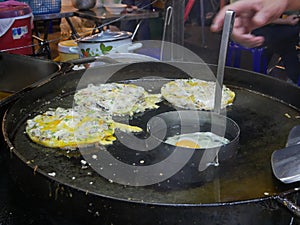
{"x": 227, "y": 28}
{"x": 169, "y": 14}
{"x": 291, "y": 206}
{"x": 136, "y": 29}
{"x": 91, "y": 59}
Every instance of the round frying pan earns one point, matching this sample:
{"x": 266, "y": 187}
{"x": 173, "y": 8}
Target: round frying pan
{"x": 242, "y": 188}
{"x": 19, "y": 71}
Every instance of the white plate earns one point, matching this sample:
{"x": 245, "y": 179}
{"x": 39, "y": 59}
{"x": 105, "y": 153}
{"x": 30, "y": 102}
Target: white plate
{"x": 115, "y": 8}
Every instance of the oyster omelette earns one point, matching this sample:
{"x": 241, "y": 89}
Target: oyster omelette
{"x": 91, "y": 120}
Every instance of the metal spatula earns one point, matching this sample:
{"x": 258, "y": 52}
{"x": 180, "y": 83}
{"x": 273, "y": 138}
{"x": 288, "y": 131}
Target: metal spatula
{"x": 211, "y": 155}
{"x": 286, "y": 162}
{"x": 294, "y": 136}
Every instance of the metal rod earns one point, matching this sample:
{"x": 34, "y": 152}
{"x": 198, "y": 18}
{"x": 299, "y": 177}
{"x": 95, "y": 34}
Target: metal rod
{"x": 202, "y": 23}
{"x": 168, "y": 17}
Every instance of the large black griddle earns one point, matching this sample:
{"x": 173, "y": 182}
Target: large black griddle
{"x": 19, "y": 71}
{"x": 244, "y": 184}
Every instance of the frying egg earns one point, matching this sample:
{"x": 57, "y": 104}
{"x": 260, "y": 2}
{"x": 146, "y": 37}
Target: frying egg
{"x": 197, "y": 140}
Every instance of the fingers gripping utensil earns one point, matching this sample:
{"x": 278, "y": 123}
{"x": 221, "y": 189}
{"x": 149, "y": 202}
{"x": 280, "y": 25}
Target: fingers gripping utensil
{"x": 286, "y": 162}
{"x": 210, "y": 156}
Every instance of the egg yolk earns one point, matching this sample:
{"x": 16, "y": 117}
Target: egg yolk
{"x": 187, "y": 144}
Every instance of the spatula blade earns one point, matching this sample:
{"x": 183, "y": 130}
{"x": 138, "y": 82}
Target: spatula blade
{"x": 286, "y": 164}
{"x": 294, "y": 136}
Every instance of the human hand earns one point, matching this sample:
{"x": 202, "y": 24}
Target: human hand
{"x": 249, "y": 16}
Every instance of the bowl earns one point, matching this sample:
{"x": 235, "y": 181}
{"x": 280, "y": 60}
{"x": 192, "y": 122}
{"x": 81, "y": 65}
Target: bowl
{"x": 189, "y": 122}
{"x": 84, "y": 4}
{"x": 180, "y": 166}
{"x": 115, "y": 8}
{"x": 68, "y": 50}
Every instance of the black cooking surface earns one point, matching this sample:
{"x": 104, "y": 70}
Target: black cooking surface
{"x": 264, "y": 128}
{"x": 264, "y": 121}
{"x": 17, "y": 209}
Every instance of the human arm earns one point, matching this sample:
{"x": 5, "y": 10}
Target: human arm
{"x": 251, "y": 15}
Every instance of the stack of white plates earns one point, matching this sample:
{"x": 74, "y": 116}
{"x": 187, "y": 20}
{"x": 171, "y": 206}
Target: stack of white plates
{"x": 115, "y": 8}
